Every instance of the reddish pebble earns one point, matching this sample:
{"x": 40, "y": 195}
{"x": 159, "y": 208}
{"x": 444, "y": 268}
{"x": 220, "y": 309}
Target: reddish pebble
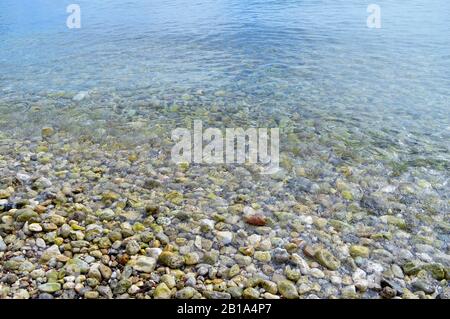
{"x": 256, "y": 220}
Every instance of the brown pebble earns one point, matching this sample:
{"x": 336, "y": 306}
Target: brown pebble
{"x": 256, "y": 220}
{"x": 309, "y": 251}
{"x": 123, "y": 259}
{"x": 40, "y": 209}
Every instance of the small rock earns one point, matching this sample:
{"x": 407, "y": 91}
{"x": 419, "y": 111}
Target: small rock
{"x": 50, "y": 287}
{"x": 388, "y": 293}
{"x": 225, "y": 237}
{"x": 250, "y": 293}
{"x": 326, "y": 259}
{"x": 292, "y": 274}
{"x": 40, "y": 243}
{"x": 76, "y": 266}
{"x": 397, "y": 271}
{"x": 359, "y": 251}
{"x": 287, "y": 289}
{"x": 185, "y": 293}
{"x": 21, "y": 294}
{"x": 192, "y": 258}
{"x": 171, "y": 259}
{"x": 317, "y": 273}
{"x": 133, "y": 247}
{"x": 4, "y": 194}
{"x": 105, "y": 291}
{"x": 436, "y": 270}
{"x": 162, "y": 292}
{"x": 42, "y": 183}
{"x": 216, "y": 295}
{"x": 256, "y": 220}
{"x": 169, "y": 280}
{"x": 280, "y": 255}
{"x": 105, "y": 271}
{"x": 26, "y": 214}
{"x": 35, "y": 227}
{"x": 47, "y": 131}
{"x": 154, "y": 252}
{"x": 235, "y": 292}
{"x": 91, "y": 294}
{"x": 412, "y": 268}
{"x": 263, "y": 256}
{"x": 2, "y": 244}
{"x": 349, "y": 292}
{"x": 422, "y": 285}
{"x": 24, "y": 178}
{"x": 95, "y": 273}
{"x": 49, "y": 253}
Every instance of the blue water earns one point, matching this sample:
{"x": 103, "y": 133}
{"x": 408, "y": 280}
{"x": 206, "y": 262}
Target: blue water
{"x": 316, "y": 58}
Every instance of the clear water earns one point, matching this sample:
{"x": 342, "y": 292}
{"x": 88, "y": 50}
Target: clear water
{"x": 383, "y": 89}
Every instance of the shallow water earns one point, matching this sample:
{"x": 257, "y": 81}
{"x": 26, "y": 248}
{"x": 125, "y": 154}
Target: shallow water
{"x": 345, "y": 96}
{"x": 385, "y": 88}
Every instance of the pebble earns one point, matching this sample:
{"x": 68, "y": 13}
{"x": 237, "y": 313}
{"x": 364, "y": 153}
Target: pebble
{"x": 262, "y": 256}
{"x": 105, "y": 271}
{"x": 144, "y": 264}
{"x": 40, "y": 243}
{"x": 133, "y": 247}
{"x": 35, "y": 227}
{"x": 287, "y": 289}
{"x": 2, "y": 244}
{"x": 359, "y": 251}
{"x": 185, "y": 293}
{"x": 171, "y": 259}
{"x": 50, "y": 287}
{"x": 162, "y": 292}
{"x": 91, "y": 294}
{"x": 225, "y": 237}
{"x": 250, "y": 293}
{"x": 422, "y": 285}
{"x": 326, "y": 259}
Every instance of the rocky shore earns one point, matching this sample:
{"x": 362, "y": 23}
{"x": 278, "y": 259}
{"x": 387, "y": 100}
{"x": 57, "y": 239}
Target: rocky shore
{"x": 83, "y": 219}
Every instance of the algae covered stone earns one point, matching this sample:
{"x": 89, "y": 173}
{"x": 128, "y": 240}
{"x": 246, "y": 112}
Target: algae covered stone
{"x": 4, "y": 193}
{"x": 49, "y": 253}
{"x": 359, "y": 251}
{"x": 26, "y": 214}
{"x": 412, "y": 268}
{"x": 162, "y": 292}
{"x": 47, "y": 131}
{"x": 175, "y": 197}
{"x": 287, "y": 289}
{"x": 170, "y": 259}
{"x": 191, "y": 258}
{"x": 250, "y": 293}
{"x": 262, "y": 256}
{"x": 437, "y": 271}
{"x": 326, "y": 259}
{"x": 76, "y": 266}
